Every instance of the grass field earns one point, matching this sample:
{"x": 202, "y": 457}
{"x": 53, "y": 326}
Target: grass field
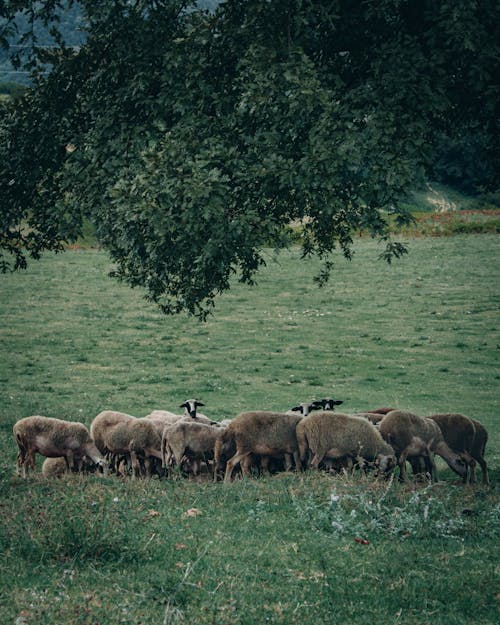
{"x": 422, "y": 334}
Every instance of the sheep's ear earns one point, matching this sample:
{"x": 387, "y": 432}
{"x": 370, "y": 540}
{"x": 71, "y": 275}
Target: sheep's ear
{"x": 296, "y": 409}
{"x": 337, "y": 402}
{"x": 199, "y": 403}
{"x": 184, "y": 405}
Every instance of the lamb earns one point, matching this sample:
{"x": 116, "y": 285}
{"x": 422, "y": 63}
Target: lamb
{"x": 56, "y": 467}
{"x": 411, "y": 435}
{"x": 340, "y": 436}
{"x": 193, "y": 440}
{"x": 466, "y": 437}
{"x": 260, "y": 433}
{"x": 53, "y": 438}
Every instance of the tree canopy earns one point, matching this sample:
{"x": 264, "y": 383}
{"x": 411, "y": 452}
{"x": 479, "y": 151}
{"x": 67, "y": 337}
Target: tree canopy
{"x": 192, "y": 139}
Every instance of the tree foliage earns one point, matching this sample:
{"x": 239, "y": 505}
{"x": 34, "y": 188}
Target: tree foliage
{"x": 192, "y": 139}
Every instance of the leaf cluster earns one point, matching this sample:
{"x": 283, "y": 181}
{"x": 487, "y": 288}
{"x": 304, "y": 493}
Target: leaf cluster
{"x": 192, "y": 139}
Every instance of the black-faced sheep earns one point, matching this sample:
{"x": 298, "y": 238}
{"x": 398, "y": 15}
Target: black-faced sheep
{"x": 413, "y": 436}
{"x": 466, "y": 437}
{"x": 343, "y": 437}
{"x": 328, "y": 404}
{"x": 259, "y": 433}
{"x": 53, "y": 438}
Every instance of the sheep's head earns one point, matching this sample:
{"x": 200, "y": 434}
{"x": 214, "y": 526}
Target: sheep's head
{"x": 458, "y": 465}
{"x": 385, "y": 463}
{"x": 305, "y": 408}
{"x": 327, "y": 403}
{"x": 191, "y": 406}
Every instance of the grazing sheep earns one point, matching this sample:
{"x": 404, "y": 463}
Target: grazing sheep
{"x": 411, "y": 435}
{"x": 342, "y": 437}
{"x": 260, "y": 433}
{"x": 102, "y": 423}
{"x": 53, "y": 438}
{"x": 136, "y": 438}
{"x": 478, "y": 450}
{"x": 194, "y": 440}
{"x": 461, "y": 433}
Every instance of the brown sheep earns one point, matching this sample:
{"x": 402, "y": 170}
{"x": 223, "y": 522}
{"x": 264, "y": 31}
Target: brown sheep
{"x": 137, "y": 438}
{"x": 466, "y": 437}
{"x": 261, "y": 433}
{"x": 53, "y": 438}
{"x": 411, "y": 435}
{"x": 194, "y": 440}
{"x": 343, "y": 437}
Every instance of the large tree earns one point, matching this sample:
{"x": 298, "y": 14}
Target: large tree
{"x": 193, "y": 139}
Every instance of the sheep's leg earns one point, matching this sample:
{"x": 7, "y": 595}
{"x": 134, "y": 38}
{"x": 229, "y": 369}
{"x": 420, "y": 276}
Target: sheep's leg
{"x": 136, "y": 468}
{"x": 470, "y": 476}
{"x": 264, "y": 465}
{"x": 316, "y": 459}
{"x": 484, "y": 469}
{"x": 232, "y": 462}
{"x": 433, "y": 467}
{"x": 298, "y": 462}
{"x": 20, "y": 461}
{"x": 148, "y": 467}
{"x": 402, "y": 466}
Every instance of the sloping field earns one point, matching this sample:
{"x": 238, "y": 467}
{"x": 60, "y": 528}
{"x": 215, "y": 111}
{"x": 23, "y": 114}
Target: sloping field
{"x": 422, "y": 334}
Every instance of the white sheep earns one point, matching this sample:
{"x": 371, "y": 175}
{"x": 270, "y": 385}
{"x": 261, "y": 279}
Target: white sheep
{"x": 53, "y": 438}
{"x": 337, "y": 436}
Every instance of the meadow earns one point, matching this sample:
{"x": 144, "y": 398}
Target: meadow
{"x": 421, "y": 334}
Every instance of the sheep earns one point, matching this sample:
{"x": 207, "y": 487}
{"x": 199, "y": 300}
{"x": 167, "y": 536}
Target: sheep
{"x": 193, "y": 440}
{"x": 304, "y": 408}
{"x": 328, "y": 403}
{"x": 101, "y": 424}
{"x": 339, "y": 436}
{"x": 411, "y": 435}
{"x": 56, "y": 467}
{"x": 191, "y": 406}
{"x": 261, "y": 433}
{"x": 461, "y": 433}
{"x": 53, "y": 438}
{"x": 137, "y": 438}
{"x": 162, "y": 419}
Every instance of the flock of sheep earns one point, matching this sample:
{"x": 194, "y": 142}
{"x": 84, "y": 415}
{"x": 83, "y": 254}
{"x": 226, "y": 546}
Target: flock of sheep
{"x": 309, "y": 435}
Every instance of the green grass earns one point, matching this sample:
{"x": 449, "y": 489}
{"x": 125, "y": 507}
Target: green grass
{"x": 421, "y": 334}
